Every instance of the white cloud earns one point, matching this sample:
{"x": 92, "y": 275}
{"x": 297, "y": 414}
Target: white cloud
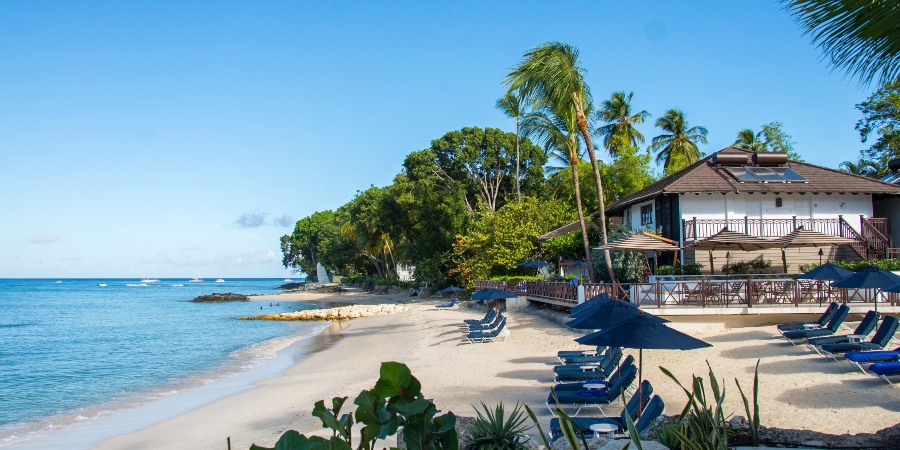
{"x": 283, "y": 221}
{"x": 251, "y": 220}
{"x": 43, "y": 239}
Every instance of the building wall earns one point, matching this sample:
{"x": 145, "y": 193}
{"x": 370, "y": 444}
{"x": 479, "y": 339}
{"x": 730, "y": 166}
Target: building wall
{"x": 890, "y": 208}
{"x": 794, "y": 256}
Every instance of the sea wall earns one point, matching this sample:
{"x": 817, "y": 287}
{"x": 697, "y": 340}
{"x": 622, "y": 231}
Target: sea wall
{"x": 343, "y": 312}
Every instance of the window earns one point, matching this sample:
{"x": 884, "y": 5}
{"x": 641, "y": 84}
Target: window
{"x": 646, "y": 214}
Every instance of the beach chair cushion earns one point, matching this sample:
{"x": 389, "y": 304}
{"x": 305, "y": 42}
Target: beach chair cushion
{"x": 652, "y": 411}
{"x": 582, "y": 377}
{"x": 836, "y": 320}
{"x": 886, "y": 369}
{"x": 583, "y": 424}
{"x": 573, "y": 399}
{"x": 488, "y": 318}
{"x": 570, "y": 353}
{"x": 870, "y": 357}
{"x": 879, "y": 341}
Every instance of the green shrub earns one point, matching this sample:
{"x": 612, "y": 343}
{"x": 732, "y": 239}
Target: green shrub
{"x": 687, "y": 269}
{"x": 494, "y": 431}
{"x": 395, "y": 402}
{"x": 516, "y": 278}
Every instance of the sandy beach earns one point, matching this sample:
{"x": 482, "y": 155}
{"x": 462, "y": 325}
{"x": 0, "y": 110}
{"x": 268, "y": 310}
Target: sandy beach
{"x": 798, "y": 388}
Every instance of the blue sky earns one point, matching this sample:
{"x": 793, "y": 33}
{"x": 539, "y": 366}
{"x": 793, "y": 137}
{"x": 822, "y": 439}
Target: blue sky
{"x": 183, "y": 138}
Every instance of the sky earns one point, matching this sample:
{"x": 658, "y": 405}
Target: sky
{"x": 182, "y": 139}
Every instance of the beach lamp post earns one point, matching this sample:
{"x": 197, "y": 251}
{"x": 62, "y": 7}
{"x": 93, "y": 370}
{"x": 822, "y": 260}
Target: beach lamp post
{"x": 821, "y": 252}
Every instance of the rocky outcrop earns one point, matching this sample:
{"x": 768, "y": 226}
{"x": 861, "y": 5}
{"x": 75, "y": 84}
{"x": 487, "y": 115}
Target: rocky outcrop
{"x": 292, "y": 286}
{"x": 343, "y": 312}
{"x": 221, "y": 298}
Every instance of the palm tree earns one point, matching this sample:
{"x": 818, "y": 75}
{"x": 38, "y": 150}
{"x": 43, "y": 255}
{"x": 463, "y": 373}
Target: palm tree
{"x": 860, "y": 37}
{"x": 513, "y": 106}
{"x": 616, "y": 112}
{"x": 745, "y": 139}
{"x": 558, "y": 133}
{"x": 680, "y": 143}
{"x": 863, "y": 167}
{"x": 551, "y": 76}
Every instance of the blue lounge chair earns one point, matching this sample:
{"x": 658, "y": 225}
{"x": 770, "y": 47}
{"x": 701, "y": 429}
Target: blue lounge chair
{"x": 859, "y": 358}
{"x": 583, "y": 424}
{"x": 627, "y": 363}
{"x": 882, "y": 336}
{"x": 885, "y": 370}
{"x": 863, "y": 329}
{"x": 600, "y": 369}
{"x": 488, "y": 326}
{"x": 488, "y": 318}
{"x": 826, "y": 316}
{"x": 597, "y": 398}
{"x": 562, "y": 354}
{"x": 451, "y": 305}
{"x": 833, "y": 325}
{"x": 494, "y": 335}
{"x": 583, "y": 359}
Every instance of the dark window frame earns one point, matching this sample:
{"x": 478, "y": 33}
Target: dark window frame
{"x": 646, "y": 214}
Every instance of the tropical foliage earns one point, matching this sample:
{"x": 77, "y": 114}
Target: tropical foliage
{"x": 620, "y": 131}
{"x": 772, "y": 138}
{"x": 677, "y": 148}
{"x": 881, "y": 121}
{"x": 860, "y": 37}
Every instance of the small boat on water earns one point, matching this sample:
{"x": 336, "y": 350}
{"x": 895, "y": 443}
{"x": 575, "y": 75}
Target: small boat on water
{"x": 196, "y": 280}
{"x": 177, "y": 285}
{"x": 288, "y": 280}
{"x": 219, "y": 280}
{"x": 101, "y": 284}
{"x": 58, "y": 282}
{"x": 149, "y": 280}
{"x": 134, "y": 285}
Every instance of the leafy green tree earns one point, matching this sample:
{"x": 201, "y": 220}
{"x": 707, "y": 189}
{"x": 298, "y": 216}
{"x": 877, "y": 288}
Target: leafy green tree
{"x": 552, "y": 77}
{"x": 881, "y": 119}
{"x": 620, "y": 130}
{"x": 499, "y": 240}
{"x": 860, "y": 37}
{"x": 514, "y": 106}
{"x": 368, "y": 227}
{"x": 678, "y": 147}
{"x": 483, "y": 160}
{"x": 628, "y": 173}
{"x": 300, "y": 250}
{"x": 558, "y": 133}
{"x": 772, "y": 138}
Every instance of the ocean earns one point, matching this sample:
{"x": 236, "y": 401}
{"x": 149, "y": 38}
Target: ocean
{"x": 73, "y": 351}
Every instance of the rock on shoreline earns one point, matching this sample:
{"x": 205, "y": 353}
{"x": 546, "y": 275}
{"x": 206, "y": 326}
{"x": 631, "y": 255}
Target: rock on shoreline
{"x": 343, "y": 312}
{"x": 221, "y": 298}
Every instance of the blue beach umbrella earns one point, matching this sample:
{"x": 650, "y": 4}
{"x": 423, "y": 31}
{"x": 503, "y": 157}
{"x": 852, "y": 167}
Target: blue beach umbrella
{"x": 609, "y": 315}
{"x": 827, "y": 271}
{"x": 640, "y": 332}
{"x": 491, "y": 294}
{"x": 590, "y": 303}
{"x": 870, "y": 277}
{"x": 533, "y": 264}
{"x": 451, "y": 289}
{"x": 578, "y": 264}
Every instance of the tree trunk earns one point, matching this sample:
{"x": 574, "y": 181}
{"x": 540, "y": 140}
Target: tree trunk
{"x": 584, "y": 234}
{"x": 518, "y": 191}
{"x": 586, "y": 135}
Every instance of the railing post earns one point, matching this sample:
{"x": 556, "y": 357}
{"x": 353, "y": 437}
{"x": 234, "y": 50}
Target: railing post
{"x": 749, "y": 289}
{"x": 841, "y": 225}
{"x": 703, "y": 293}
{"x": 658, "y": 300}
{"x": 580, "y": 294}
{"x": 694, "y": 223}
{"x": 746, "y": 225}
{"x": 862, "y": 225}
{"x": 794, "y": 218}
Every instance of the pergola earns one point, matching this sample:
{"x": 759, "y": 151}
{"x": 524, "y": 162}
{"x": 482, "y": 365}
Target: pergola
{"x": 643, "y": 242}
{"x": 730, "y": 240}
{"x": 802, "y": 237}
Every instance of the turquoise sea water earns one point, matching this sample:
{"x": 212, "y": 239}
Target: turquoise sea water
{"x": 72, "y": 351}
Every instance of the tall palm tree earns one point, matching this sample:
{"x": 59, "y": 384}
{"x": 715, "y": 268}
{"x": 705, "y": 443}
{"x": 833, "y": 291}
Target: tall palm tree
{"x": 860, "y": 37}
{"x": 514, "y": 106}
{"x": 745, "y": 139}
{"x": 679, "y": 143}
{"x": 558, "y": 132}
{"x": 551, "y": 75}
{"x": 620, "y": 129}
{"x": 863, "y": 167}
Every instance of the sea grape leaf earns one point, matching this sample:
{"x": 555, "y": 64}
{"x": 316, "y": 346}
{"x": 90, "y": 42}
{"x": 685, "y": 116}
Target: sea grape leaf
{"x": 337, "y": 403}
{"x": 416, "y": 434}
{"x": 290, "y": 440}
{"x": 413, "y": 389}
{"x": 370, "y": 404}
{"x": 445, "y": 423}
{"x": 395, "y": 378}
{"x": 328, "y": 419}
{"x": 418, "y": 406}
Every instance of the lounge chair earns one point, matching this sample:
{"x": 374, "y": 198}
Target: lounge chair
{"x": 488, "y": 318}
{"x": 597, "y": 398}
{"x": 487, "y": 326}
{"x": 583, "y": 359}
{"x": 451, "y": 305}
{"x": 833, "y": 325}
{"x": 885, "y": 370}
{"x": 562, "y": 354}
{"x": 632, "y": 408}
{"x": 863, "y": 329}
{"x": 627, "y": 363}
{"x": 882, "y": 336}
{"x": 599, "y": 369}
{"x": 859, "y": 358}
{"x": 494, "y": 335}
{"x": 823, "y": 320}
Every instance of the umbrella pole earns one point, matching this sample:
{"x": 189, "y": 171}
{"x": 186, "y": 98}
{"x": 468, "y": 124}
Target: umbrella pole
{"x": 783, "y": 261}
{"x": 640, "y": 380}
{"x": 712, "y": 269}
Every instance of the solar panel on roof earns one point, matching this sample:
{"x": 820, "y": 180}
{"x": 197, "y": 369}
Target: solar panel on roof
{"x": 767, "y": 174}
{"x": 743, "y": 175}
{"x": 893, "y": 178}
{"x": 789, "y": 175}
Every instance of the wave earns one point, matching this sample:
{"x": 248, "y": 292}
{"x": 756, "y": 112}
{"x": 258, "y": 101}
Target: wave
{"x": 14, "y": 325}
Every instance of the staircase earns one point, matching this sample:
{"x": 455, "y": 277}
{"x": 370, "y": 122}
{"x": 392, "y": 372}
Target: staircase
{"x": 873, "y": 242}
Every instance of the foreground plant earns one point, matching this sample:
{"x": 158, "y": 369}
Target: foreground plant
{"x": 395, "y": 402}
{"x": 495, "y": 431}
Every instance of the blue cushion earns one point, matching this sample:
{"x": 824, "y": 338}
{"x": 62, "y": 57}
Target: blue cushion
{"x": 872, "y": 356}
{"x": 886, "y": 368}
